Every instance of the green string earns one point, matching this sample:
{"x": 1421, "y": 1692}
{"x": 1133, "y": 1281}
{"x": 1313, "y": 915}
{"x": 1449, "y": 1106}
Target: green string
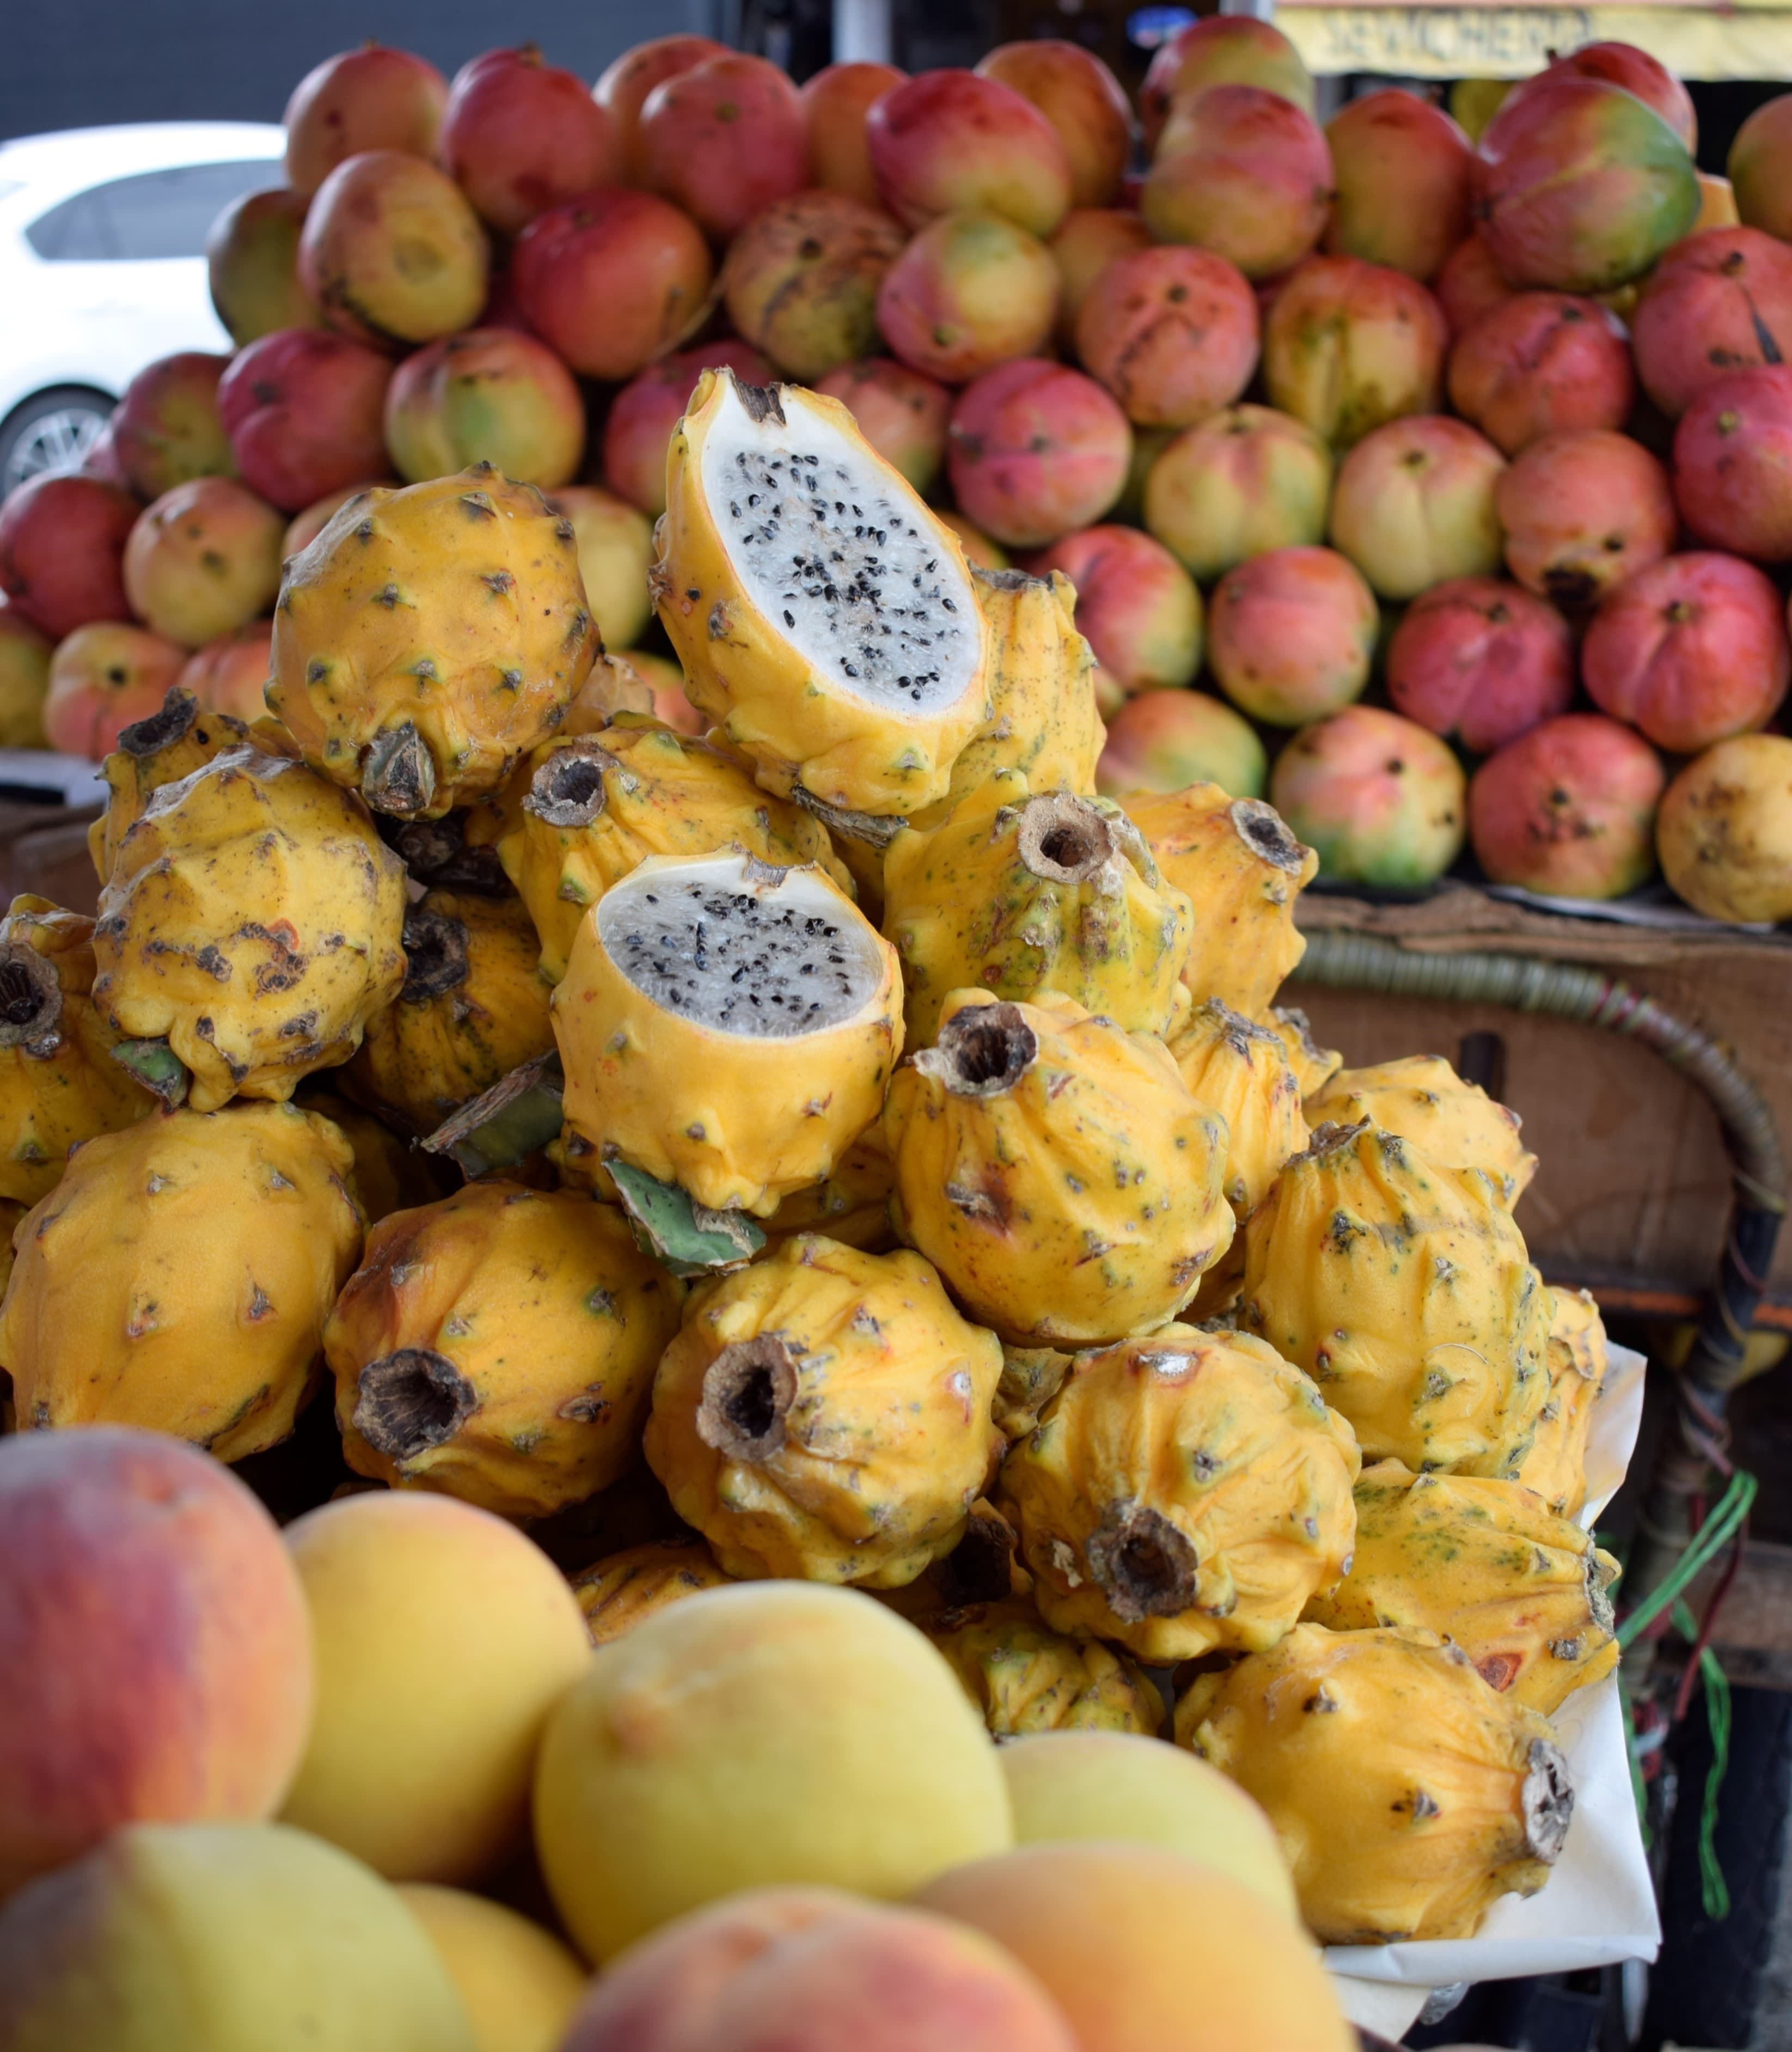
{"x": 1713, "y": 1885}
{"x": 1713, "y": 1536}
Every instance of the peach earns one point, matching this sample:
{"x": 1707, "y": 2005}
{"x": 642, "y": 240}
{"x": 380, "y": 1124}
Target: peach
{"x": 229, "y": 675}
{"x": 808, "y": 1969}
{"x": 1381, "y": 799}
{"x": 369, "y": 99}
{"x": 24, "y": 661}
{"x": 835, "y": 102}
{"x": 954, "y": 141}
{"x": 900, "y": 413}
{"x": 1481, "y": 660}
{"x": 1759, "y": 159}
{"x": 1086, "y": 241}
{"x": 1082, "y": 100}
{"x": 1470, "y": 285}
{"x": 1724, "y": 830}
{"x": 1122, "y": 1935}
{"x": 1165, "y": 740}
{"x": 1245, "y": 480}
{"x": 1401, "y": 171}
{"x": 1034, "y": 450}
{"x": 103, "y": 678}
{"x": 392, "y": 252}
{"x": 768, "y": 1733}
{"x": 1581, "y": 512}
{"x": 165, "y": 428}
{"x": 724, "y": 139}
{"x": 491, "y": 395}
{"x": 1221, "y": 49}
{"x": 1718, "y": 302}
{"x": 304, "y": 412}
{"x": 613, "y": 281}
{"x": 1136, "y": 607}
{"x": 623, "y": 88}
{"x": 519, "y": 136}
{"x": 1733, "y": 464}
{"x": 800, "y": 280}
{"x": 62, "y": 539}
{"x": 443, "y": 1639}
{"x": 969, "y": 292}
{"x": 1172, "y": 333}
{"x": 1415, "y": 504}
{"x": 1541, "y": 364}
{"x": 306, "y": 525}
{"x": 1717, "y": 203}
{"x": 615, "y": 549}
{"x": 662, "y": 681}
{"x": 1244, "y": 173}
{"x": 644, "y": 413}
{"x": 1291, "y": 634}
{"x": 204, "y": 560}
{"x": 1691, "y": 650}
{"x": 521, "y": 1985}
{"x": 155, "y": 1642}
{"x": 1568, "y": 809}
{"x": 251, "y": 266}
{"x": 1351, "y": 345}
{"x": 980, "y": 550}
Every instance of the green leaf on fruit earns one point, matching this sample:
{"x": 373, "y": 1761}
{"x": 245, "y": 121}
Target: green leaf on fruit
{"x": 687, "y": 1237}
{"x": 157, "y": 1067}
{"x": 516, "y": 1118}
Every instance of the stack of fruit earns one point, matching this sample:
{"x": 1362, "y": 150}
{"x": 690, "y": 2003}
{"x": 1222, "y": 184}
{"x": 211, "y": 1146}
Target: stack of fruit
{"x": 1228, "y": 376}
{"x": 903, "y": 1265}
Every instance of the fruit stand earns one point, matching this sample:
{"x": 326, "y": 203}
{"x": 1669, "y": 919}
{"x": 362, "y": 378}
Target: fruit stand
{"x": 856, "y": 933}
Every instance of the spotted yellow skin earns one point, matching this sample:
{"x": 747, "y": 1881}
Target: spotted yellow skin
{"x": 1394, "y": 1775}
{"x": 179, "y": 1275}
{"x": 1024, "y": 1677}
{"x": 425, "y": 1054}
{"x": 1453, "y": 1123}
{"x": 1405, "y": 1291}
{"x": 1313, "y": 1065}
{"x": 1555, "y": 1464}
{"x": 253, "y": 920}
{"x": 391, "y": 1174}
{"x": 549, "y": 1312}
{"x": 455, "y": 606}
{"x": 58, "y": 1085}
{"x": 887, "y": 1441}
{"x": 1243, "y": 870}
{"x": 1030, "y": 1377}
{"x": 616, "y": 1592}
{"x": 795, "y": 722}
{"x": 1080, "y": 1203}
{"x": 1225, "y": 1460}
{"x": 739, "y": 1123}
{"x": 130, "y": 778}
{"x": 1240, "y": 1071}
{"x": 1488, "y": 1565}
{"x": 1043, "y": 720}
{"x": 664, "y": 793}
{"x": 963, "y": 909}
{"x": 852, "y": 1206}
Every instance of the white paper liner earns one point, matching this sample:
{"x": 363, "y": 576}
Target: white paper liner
{"x": 1599, "y": 1905}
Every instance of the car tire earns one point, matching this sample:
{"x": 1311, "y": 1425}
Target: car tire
{"x": 51, "y": 431}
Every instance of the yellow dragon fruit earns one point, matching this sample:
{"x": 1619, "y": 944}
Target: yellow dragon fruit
{"x": 1408, "y": 1795}
{"x": 1240, "y": 1071}
{"x": 1056, "y": 1170}
{"x": 1455, "y": 1124}
{"x": 594, "y": 809}
{"x": 1405, "y": 1291}
{"x": 1030, "y": 1377}
{"x": 1023, "y": 892}
{"x": 429, "y": 637}
{"x": 253, "y": 921}
{"x": 472, "y": 1007}
{"x": 59, "y": 1084}
{"x": 1243, "y": 870}
{"x": 824, "y": 1415}
{"x": 1555, "y": 1464}
{"x": 727, "y": 1026}
{"x": 1181, "y": 1494}
{"x": 616, "y": 1592}
{"x": 499, "y": 1346}
{"x": 168, "y": 746}
{"x": 179, "y": 1275}
{"x": 1487, "y": 1565}
{"x": 1024, "y": 1677}
{"x": 1313, "y": 1065}
{"x": 825, "y": 616}
{"x": 852, "y": 1206}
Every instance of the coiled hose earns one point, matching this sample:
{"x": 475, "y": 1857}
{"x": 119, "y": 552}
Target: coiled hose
{"x": 1697, "y": 1440}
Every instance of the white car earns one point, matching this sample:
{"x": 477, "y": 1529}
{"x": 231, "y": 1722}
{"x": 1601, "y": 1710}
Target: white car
{"x": 102, "y": 268}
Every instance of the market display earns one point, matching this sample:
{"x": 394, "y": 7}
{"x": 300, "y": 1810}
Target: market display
{"x": 785, "y": 1166}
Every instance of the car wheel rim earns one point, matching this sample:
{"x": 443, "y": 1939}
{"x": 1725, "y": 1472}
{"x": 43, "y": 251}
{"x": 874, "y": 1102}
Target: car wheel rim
{"x": 53, "y": 442}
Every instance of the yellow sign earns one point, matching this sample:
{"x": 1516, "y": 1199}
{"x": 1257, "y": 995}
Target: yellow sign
{"x": 1445, "y": 41}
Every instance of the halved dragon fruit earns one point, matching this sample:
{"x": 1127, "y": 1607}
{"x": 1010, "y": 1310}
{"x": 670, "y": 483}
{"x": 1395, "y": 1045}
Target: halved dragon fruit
{"x": 825, "y": 616}
{"x": 728, "y": 1026}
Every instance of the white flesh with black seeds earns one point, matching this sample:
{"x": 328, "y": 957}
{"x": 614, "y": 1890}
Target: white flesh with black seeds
{"x": 740, "y": 947}
{"x": 845, "y": 561}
